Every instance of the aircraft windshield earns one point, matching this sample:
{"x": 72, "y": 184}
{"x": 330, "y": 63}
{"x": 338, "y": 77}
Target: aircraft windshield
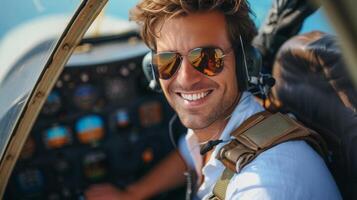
{"x": 29, "y": 31}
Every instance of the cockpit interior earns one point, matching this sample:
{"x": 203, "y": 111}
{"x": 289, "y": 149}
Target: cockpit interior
{"x": 100, "y": 123}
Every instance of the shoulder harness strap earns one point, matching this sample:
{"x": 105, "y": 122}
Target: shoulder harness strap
{"x": 258, "y": 133}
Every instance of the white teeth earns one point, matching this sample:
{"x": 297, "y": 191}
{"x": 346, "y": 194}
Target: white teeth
{"x": 194, "y": 97}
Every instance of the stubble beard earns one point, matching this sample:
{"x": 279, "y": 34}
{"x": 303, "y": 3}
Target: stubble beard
{"x": 196, "y": 121}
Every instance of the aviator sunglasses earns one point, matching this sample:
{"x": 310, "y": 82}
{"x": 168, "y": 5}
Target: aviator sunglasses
{"x": 207, "y": 60}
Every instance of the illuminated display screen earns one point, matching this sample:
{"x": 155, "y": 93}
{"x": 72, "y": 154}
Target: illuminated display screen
{"x": 52, "y": 104}
{"x": 122, "y": 118}
{"x": 90, "y": 129}
{"x": 57, "y": 137}
{"x": 95, "y": 166}
{"x": 85, "y": 96}
{"x": 150, "y": 114}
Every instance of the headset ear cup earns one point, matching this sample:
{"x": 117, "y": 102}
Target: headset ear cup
{"x": 146, "y": 66}
{"x": 254, "y": 62}
{"x": 149, "y": 73}
{"x": 241, "y": 73}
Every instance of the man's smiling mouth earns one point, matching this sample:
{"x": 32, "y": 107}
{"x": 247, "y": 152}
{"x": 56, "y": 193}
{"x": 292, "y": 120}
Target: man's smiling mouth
{"x": 194, "y": 96}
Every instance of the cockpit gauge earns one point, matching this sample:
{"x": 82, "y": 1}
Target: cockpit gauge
{"x": 124, "y": 71}
{"x": 84, "y": 77}
{"x": 117, "y": 89}
{"x": 28, "y": 149}
{"x": 122, "y": 118}
{"x": 59, "y": 84}
{"x": 95, "y": 166}
{"x": 30, "y": 181}
{"x": 67, "y": 77}
{"x": 57, "y": 137}
{"x": 148, "y": 155}
{"x": 52, "y": 104}
{"x": 150, "y": 113}
{"x": 90, "y": 129}
{"x": 85, "y": 96}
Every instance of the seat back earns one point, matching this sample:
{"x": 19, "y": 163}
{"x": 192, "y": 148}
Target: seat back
{"x": 313, "y": 84}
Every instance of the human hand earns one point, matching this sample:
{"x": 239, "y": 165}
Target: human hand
{"x": 108, "y": 191}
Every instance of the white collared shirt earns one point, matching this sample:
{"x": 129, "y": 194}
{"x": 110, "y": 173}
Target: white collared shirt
{"x": 291, "y": 170}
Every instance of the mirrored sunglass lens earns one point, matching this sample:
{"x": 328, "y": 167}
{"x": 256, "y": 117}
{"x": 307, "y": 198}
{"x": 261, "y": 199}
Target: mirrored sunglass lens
{"x": 195, "y": 57}
{"x": 166, "y": 63}
{"x": 207, "y": 60}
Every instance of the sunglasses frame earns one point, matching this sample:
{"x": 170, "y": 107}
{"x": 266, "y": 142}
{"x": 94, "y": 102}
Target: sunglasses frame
{"x": 180, "y": 56}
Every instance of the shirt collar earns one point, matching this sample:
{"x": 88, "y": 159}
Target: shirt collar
{"x": 246, "y": 107}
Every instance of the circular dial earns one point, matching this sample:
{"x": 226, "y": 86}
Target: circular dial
{"x": 30, "y": 181}
{"x": 85, "y": 96}
{"x": 57, "y": 137}
{"x": 52, "y": 104}
{"x": 90, "y": 129}
{"x": 117, "y": 89}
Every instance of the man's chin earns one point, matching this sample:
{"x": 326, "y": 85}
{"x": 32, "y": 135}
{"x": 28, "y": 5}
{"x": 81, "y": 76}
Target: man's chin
{"x": 194, "y": 123}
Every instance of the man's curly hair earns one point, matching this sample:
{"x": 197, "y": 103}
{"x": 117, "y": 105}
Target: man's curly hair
{"x": 151, "y": 14}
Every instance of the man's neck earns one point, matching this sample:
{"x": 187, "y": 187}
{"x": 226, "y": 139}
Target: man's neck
{"x": 213, "y": 132}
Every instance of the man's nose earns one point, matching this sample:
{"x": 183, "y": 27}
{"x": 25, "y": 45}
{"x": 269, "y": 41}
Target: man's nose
{"x": 187, "y": 75}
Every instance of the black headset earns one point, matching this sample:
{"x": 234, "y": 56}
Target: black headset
{"x": 248, "y": 69}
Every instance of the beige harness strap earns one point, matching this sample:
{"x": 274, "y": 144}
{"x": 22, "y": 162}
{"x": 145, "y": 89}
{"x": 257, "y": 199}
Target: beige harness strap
{"x": 222, "y": 184}
{"x": 258, "y": 133}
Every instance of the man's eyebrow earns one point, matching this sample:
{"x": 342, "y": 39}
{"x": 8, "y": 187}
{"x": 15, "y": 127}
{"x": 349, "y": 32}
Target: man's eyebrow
{"x": 163, "y": 51}
{"x": 198, "y": 46}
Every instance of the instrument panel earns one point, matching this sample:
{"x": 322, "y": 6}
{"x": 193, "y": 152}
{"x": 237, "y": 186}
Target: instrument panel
{"x": 100, "y": 123}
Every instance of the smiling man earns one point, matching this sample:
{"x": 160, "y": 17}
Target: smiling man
{"x": 196, "y": 58}
{"x": 202, "y": 102}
